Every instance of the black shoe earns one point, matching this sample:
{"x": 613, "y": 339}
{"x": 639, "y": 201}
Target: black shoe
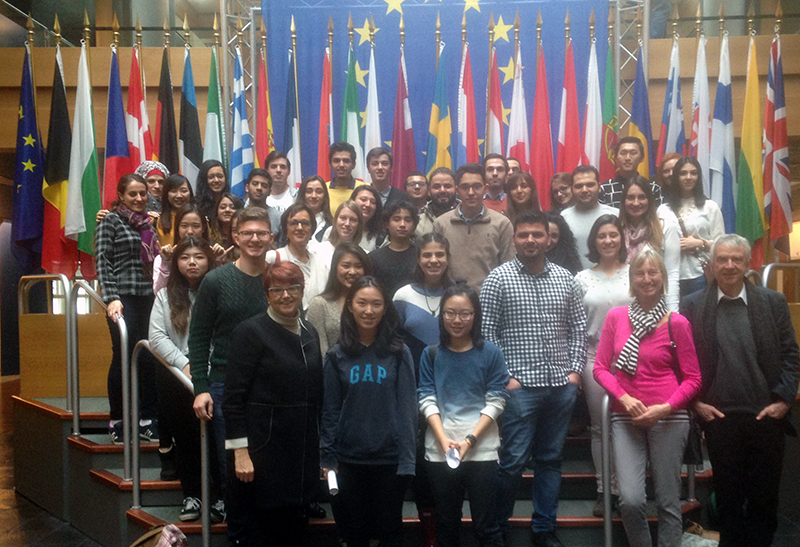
{"x": 190, "y": 510}
{"x": 149, "y": 433}
{"x": 115, "y": 432}
{"x": 168, "y": 470}
{"x": 546, "y": 539}
{"x": 599, "y": 509}
{"x": 216, "y": 513}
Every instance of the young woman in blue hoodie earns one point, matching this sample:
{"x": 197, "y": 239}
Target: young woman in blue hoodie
{"x": 369, "y": 417}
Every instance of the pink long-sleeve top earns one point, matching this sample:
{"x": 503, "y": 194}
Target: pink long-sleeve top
{"x": 655, "y": 381}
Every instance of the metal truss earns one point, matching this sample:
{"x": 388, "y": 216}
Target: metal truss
{"x": 631, "y": 32}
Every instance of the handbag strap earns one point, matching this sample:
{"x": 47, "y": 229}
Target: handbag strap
{"x": 673, "y": 349}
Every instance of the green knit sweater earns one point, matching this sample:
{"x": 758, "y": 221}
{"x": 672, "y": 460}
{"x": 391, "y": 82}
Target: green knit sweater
{"x": 227, "y": 296}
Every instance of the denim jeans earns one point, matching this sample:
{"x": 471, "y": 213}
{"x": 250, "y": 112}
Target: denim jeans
{"x": 534, "y": 426}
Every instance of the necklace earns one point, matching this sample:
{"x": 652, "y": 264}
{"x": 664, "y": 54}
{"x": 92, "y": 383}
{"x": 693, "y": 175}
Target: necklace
{"x": 427, "y": 305}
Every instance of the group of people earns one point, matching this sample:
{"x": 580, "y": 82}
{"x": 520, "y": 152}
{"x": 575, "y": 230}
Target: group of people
{"x": 370, "y": 334}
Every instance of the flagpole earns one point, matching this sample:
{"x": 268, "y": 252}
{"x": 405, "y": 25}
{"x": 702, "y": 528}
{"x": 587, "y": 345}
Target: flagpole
{"x": 438, "y": 35}
{"x": 486, "y": 143}
{"x": 463, "y": 33}
{"x": 350, "y": 29}
{"x": 721, "y": 20}
{"x": 566, "y": 31}
{"x": 698, "y": 22}
{"x": 87, "y": 33}
{"x": 516, "y": 39}
{"x": 31, "y": 36}
{"x": 293, "y": 29}
{"x": 115, "y": 30}
{"x": 330, "y": 44}
{"x": 674, "y": 18}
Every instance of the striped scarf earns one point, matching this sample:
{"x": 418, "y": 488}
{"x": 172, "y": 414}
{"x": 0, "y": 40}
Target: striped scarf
{"x": 643, "y": 324}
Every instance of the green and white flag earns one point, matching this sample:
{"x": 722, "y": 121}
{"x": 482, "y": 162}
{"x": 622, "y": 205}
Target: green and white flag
{"x": 83, "y": 192}
{"x": 351, "y": 127}
{"x": 214, "y": 145}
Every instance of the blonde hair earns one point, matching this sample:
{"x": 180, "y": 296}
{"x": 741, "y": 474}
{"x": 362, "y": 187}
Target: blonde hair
{"x": 638, "y": 261}
{"x": 353, "y": 206}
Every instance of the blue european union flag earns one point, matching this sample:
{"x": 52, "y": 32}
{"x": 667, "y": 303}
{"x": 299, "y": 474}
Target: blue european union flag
{"x": 28, "y": 205}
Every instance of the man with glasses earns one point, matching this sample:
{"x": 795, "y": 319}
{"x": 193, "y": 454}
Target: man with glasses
{"x": 227, "y": 296}
{"x": 481, "y": 239}
{"x": 419, "y": 191}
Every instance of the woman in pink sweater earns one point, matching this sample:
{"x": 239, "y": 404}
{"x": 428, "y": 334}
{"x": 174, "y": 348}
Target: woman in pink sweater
{"x": 651, "y": 384}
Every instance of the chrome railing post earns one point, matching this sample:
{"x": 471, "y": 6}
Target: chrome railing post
{"x": 72, "y": 319}
{"x": 134, "y": 375}
{"x": 205, "y": 496}
{"x": 692, "y": 487}
{"x": 605, "y": 438}
{"x": 129, "y": 430}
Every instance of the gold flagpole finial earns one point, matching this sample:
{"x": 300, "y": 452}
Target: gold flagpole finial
{"x": 350, "y": 28}
{"x": 57, "y": 30}
{"x": 698, "y": 20}
{"x": 166, "y": 31}
{"x": 264, "y": 35}
{"x": 115, "y": 29}
{"x": 639, "y": 25}
{"x": 31, "y": 28}
{"x": 778, "y": 17}
{"x": 751, "y": 13}
{"x": 239, "y": 33}
{"x": 464, "y": 30}
{"x": 402, "y": 31}
{"x": 371, "y": 30}
{"x": 721, "y": 19}
{"x": 674, "y": 18}
{"x": 566, "y": 27}
{"x": 87, "y": 31}
{"x": 330, "y": 33}
{"x": 186, "y": 29}
{"x": 539, "y": 24}
{"x": 592, "y": 23}
{"x": 610, "y": 24}
{"x": 438, "y": 35}
{"x": 516, "y": 37}
{"x": 215, "y": 26}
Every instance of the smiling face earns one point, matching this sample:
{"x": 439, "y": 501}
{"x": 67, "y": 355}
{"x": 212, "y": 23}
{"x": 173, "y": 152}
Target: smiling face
{"x": 298, "y": 228}
{"x": 585, "y": 190}
{"x": 368, "y": 308}
{"x": 628, "y": 158}
{"x": 285, "y": 299}
{"x": 225, "y": 210}
{"x": 180, "y": 196}
{"x": 608, "y": 242}
{"x": 563, "y": 192}
{"x": 155, "y": 184}
{"x": 648, "y": 281}
{"x": 433, "y": 262}
{"x": 521, "y": 193}
{"x": 730, "y": 266}
{"x": 531, "y": 241}
{"x": 193, "y": 265}
{"x": 417, "y": 187}
{"x": 278, "y": 171}
{"x": 380, "y": 168}
{"x": 191, "y": 225}
{"x": 636, "y": 204}
{"x": 349, "y": 270}
{"x": 135, "y": 196}
{"x": 687, "y": 178}
{"x": 443, "y": 188}
{"x": 216, "y": 179}
{"x": 346, "y": 224}
{"x": 366, "y": 201}
{"x": 342, "y": 165}
{"x": 458, "y": 316}
{"x": 315, "y": 195}
{"x": 253, "y": 239}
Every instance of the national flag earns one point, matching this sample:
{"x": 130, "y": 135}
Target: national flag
{"x": 291, "y": 127}
{"x": 372, "y": 131}
{"x": 166, "y": 142}
{"x": 607, "y": 165}
{"x": 325, "y": 133}
{"x": 672, "y": 137}
{"x": 494, "y": 143}
{"x": 724, "y": 187}
{"x": 467, "y": 139}
{"x": 405, "y": 156}
{"x": 118, "y": 161}
{"x": 518, "y": 146}
{"x": 593, "y": 117}
{"x": 750, "y": 220}
{"x": 701, "y": 115}
{"x": 140, "y": 141}
{"x": 541, "y": 140}
{"x": 440, "y": 126}
{"x": 569, "y": 128}
{"x": 777, "y": 188}
{"x": 189, "y": 145}
{"x": 59, "y": 254}
{"x": 639, "y": 125}
{"x": 242, "y": 148}
{"x": 214, "y": 143}
{"x": 351, "y": 130}
{"x": 83, "y": 194}
{"x": 28, "y": 203}
{"x": 265, "y": 137}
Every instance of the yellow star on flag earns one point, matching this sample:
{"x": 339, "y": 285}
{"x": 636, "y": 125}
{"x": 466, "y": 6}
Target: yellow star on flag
{"x": 394, "y": 5}
{"x": 508, "y": 71}
{"x": 360, "y": 75}
{"x": 363, "y": 115}
{"x": 506, "y": 112}
{"x": 471, "y": 4}
{"x": 481, "y": 141}
{"x": 364, "y": 32}
{"x": 21, "y": 115}
{"x": 388, "y": 143}
{"x": 29, "y": 165}
{"x": 29, "y": 140}
{"x": 501, "y": 30}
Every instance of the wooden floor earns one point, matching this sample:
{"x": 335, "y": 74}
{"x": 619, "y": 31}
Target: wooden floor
{"x": 21, "y": 522}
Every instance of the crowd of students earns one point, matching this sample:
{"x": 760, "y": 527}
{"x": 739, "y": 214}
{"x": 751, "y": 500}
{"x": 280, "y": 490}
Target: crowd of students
{"x": 444, "y": 333}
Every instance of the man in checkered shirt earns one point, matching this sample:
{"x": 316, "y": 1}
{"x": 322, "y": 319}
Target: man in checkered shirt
{"x": 532, "y": 309}
{"x": 629, "y": 154}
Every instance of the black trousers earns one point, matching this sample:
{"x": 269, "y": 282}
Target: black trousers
{"x": 747, "y": 457}
{"x": 136, "y": 312}
{"x": 449, "y": 485}
{"x": 371, "y": 500}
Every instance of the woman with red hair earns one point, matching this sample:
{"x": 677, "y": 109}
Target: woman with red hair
{"x": 272, "y": 406}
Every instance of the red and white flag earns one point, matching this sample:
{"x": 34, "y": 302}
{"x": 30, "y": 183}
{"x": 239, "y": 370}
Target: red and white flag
{"x": 140, "y": 141}
{"x": 593, "y": 118}
{"x": 541, "y": 141}
{"x": 325, "y": 133}
{"x": 494, "y": 125}
{"x": 405, "y": 157}
{"x": 518, "y": 122}
{"x": 569, "y": 129}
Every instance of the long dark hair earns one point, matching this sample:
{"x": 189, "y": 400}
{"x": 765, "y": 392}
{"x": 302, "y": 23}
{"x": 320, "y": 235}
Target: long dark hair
{"x": 177, "y": 286}
{"x": 653, "y": 224}
{"x": 512, "y": 208}
{"x": 205, "y": 197}
{"x": 334, "y": 288}
{"x": 565, "y": 253}
{"x": 462, "y": 289}
{"x": 186, "y": 210}
{"x": 173, "y": 182}
{"x": 388, "y": 339}
{"x": 326, "y": 199}
{"x": 602, "y": 220}
{"x": 674, "y": 190}
{"x": 433, "y": 237}
{"x": 122, "y": 185}
{"x": 374, "y": 226}
{"x": 216, "y": 229}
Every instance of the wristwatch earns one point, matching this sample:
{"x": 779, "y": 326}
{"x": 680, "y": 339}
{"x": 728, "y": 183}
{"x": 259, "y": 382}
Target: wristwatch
{"x": 472, "y": 440}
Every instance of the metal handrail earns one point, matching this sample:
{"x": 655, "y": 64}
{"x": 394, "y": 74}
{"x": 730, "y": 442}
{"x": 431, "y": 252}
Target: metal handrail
{"x": 137, "y": 483}
{"x": 23, "y": 292}
{"x": 72, "y": 314}
{"x": 605, "y": 440}
{"x": 775, "y": 266}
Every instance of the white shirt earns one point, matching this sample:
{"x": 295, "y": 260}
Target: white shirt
{"x": 704, "y": 222}
{"x": 581, "y": 222}
{"x": 314, "y": 272}
{"x": 742, "y": 294}
{"x": 601, "y": 293}
{"x": 282, "y": 201}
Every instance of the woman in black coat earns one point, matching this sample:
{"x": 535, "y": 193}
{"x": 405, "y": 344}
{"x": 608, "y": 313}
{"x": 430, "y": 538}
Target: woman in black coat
{"x": 272, "y": 405}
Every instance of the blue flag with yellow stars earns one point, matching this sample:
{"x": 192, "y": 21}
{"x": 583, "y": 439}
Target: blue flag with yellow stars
{"x": 28, "y": 212}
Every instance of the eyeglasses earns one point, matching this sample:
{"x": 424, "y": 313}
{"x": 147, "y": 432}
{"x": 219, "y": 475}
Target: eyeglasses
{"x": 416, "y": 184}
{"x": 296, "y": 223}
{"x": 463, "y": 315}
{"x": 292, "y": 290}
{"x": 250, "y": 234}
